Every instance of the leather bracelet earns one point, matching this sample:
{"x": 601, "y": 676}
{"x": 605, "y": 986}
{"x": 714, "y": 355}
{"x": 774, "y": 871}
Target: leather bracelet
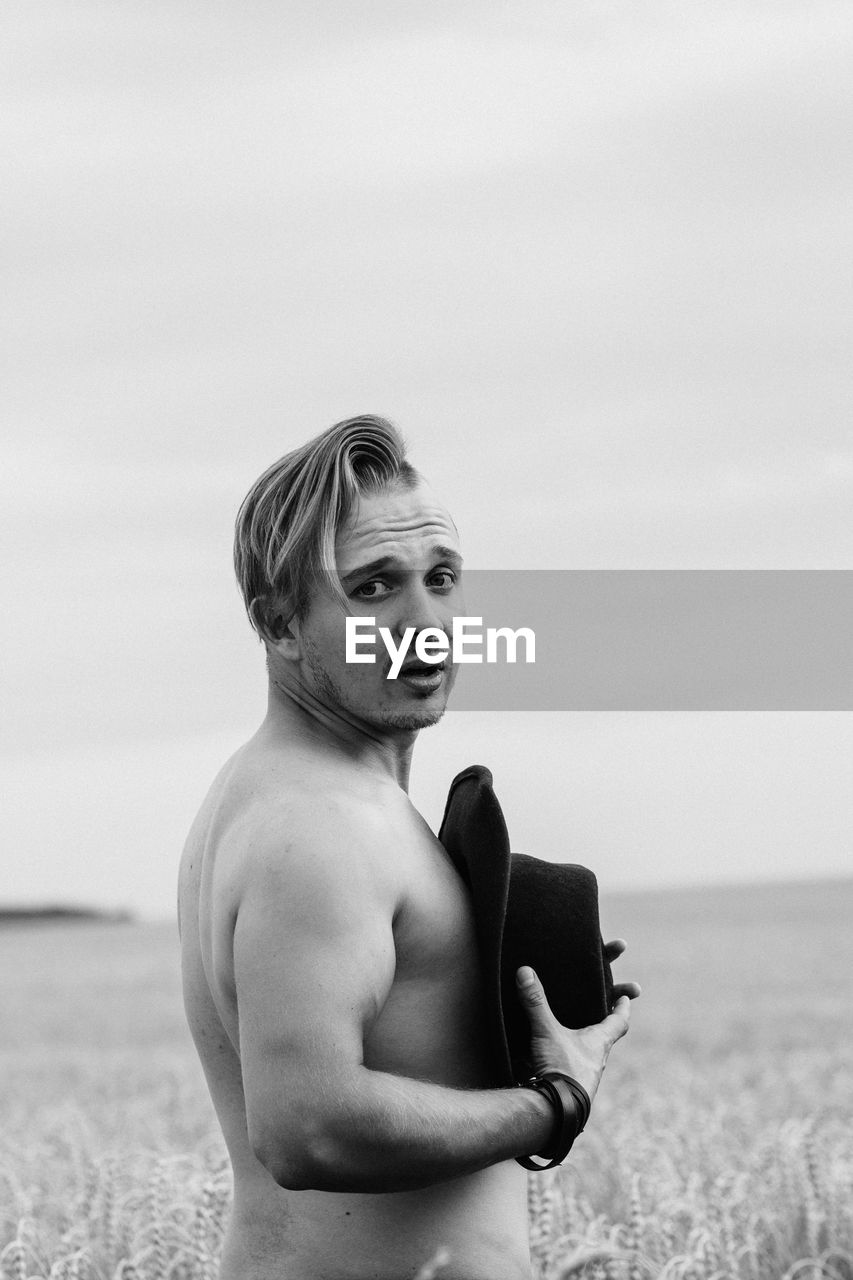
{"x": 571, "y": 1104}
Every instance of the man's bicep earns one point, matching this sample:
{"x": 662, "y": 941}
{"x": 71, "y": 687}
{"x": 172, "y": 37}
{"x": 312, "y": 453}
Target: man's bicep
{"x": 313, "y": 963}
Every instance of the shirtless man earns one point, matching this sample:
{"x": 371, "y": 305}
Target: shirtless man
{"x": 330, "y": 974}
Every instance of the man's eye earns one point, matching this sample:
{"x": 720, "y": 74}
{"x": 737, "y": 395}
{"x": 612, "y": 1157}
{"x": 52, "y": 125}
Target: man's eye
{"x": 375, "y": 589}
{"x": 444, "y": 579}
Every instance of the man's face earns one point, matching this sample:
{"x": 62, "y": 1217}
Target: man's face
{"x": 399, "y": 562}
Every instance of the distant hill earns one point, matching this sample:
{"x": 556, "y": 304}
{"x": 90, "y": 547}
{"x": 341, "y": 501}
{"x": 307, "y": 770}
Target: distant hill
{"x": 49, "y": 913}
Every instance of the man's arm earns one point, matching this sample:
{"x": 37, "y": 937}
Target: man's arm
{"x": 314, "y": 962}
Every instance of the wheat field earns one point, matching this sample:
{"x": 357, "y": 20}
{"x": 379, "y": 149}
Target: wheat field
{"x": 720, "y": 1145}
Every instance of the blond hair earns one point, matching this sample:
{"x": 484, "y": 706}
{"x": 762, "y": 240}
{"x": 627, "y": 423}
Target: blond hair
{"x": 284, "y": 538}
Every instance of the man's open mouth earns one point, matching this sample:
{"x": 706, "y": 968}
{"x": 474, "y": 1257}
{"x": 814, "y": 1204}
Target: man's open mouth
{"x": 423, "y": 672}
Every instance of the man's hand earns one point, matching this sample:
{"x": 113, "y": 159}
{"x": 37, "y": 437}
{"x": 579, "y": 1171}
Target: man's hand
{"x": 583, "y": 1053}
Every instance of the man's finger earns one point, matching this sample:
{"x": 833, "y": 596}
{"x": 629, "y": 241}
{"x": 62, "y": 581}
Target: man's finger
{"x": 629, "y": 989}
{"x": 616, "y": 1023}
{"x": 533, "y": 998}
{"x": 614, "y": 949}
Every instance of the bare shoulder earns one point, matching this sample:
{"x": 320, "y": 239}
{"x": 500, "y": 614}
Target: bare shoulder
{"x": 282, "y": 855}
{"x": 272, "y": 820}
{"x": 325, "y": 839}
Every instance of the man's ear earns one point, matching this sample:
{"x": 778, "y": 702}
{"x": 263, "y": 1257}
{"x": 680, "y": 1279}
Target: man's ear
{"x": 275, "y": 625}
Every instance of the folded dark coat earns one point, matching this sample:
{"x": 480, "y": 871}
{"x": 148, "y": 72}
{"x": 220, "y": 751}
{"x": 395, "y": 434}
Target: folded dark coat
{"x": 526, "y": 912}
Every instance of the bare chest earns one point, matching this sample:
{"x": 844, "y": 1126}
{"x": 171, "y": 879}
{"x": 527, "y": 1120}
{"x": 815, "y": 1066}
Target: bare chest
{"x": 431, "y": 1025}
{"x": 434, "y": 926}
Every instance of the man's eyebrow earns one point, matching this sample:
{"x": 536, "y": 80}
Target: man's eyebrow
{"x": 366, "y": 570}
{"x": 391, "y": 562}
{"x": 448, "y": 553}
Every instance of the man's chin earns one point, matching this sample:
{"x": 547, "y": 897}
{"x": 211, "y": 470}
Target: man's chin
{"x": 413, "y": 718}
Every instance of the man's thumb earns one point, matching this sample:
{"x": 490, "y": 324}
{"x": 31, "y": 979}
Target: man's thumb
{"x": 531, "y": 991}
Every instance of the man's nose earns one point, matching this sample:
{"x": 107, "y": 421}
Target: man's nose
{"x": 421, "y": 608}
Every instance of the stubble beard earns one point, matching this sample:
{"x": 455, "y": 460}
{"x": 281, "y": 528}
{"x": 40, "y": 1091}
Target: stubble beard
{"x": 330, "y": 692}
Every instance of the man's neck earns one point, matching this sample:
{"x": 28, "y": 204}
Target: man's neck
{"x": 295, "y": 713}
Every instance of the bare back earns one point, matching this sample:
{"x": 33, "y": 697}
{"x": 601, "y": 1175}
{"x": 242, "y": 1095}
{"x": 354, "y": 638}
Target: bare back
{"x": 426, "y": 1026}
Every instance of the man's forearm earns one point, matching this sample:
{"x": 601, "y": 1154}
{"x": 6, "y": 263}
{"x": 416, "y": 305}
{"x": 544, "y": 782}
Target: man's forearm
{"x": 379, "y": 1132}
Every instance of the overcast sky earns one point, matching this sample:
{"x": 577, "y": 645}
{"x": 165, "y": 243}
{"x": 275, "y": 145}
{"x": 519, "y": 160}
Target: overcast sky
{"x": 594, "y": 259}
